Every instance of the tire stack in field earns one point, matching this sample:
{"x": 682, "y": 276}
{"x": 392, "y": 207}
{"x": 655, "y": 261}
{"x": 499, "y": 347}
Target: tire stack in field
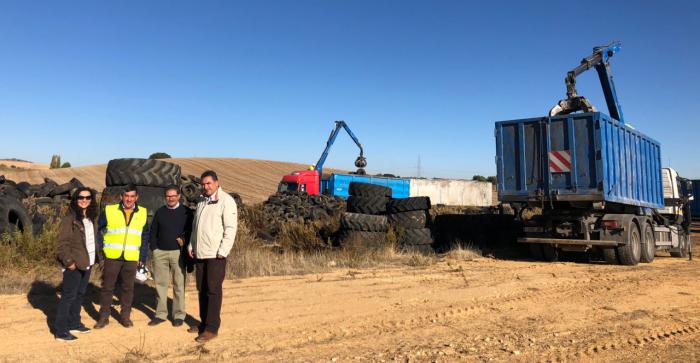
{"x": 410, "y": 217}
{"x": 365, "y": 222}
{"x": 151, "y": 177}
{"x": 27, "y": 207}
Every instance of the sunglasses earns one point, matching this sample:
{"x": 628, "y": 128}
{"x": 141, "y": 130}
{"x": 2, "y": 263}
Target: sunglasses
{"x": 82, "y": 197}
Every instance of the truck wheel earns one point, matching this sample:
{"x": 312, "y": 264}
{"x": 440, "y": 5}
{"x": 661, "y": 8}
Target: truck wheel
{"x": 536, "y": 251}
{"x": 682, "y": 247}
{"x": 610, "y": 256}
{"x": 550, "y": 253}
{"x": 368, "y": 190}
{"x": 631, "y": 252}
{"x": 648, "y": 244}
{"x": 13, "y": 215}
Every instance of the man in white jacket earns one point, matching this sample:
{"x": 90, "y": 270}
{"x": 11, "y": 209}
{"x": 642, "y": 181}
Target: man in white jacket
{"x": 213, "y": 232}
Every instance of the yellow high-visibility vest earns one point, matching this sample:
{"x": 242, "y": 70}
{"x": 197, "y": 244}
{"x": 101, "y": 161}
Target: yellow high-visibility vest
{"x": 120, "y": 237}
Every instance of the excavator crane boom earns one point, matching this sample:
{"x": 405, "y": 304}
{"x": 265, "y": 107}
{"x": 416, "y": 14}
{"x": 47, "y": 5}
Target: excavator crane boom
{"x": 600, "y": 61}
{"x": 360, "y": 162}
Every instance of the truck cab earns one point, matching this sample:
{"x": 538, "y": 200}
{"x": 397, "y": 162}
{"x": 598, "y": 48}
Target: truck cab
{"x": 301, "y": 181}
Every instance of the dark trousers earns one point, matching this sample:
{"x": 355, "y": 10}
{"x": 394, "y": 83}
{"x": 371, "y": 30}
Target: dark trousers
{"x": 126, "y": 272}
{"x": 72, "y": 292}
{"x": 209, "y": 275}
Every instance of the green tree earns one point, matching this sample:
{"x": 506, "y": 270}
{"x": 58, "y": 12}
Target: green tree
{"x": 159, "y": 155}
{"x": 491, "y": 179}
{"x": 480, "y": 178}
{"x": 65, "y": 165}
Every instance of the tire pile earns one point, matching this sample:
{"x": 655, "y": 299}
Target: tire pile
{"x": 151, "y": 177}
{"x": 410, "y": 217}
{"x": 47, "y": 200}
{"x": 365, "y": 222}
{"x": 283, "y": 207}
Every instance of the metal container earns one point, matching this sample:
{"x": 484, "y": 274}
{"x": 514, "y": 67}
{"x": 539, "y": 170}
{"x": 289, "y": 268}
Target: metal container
{"x": 581, "y": 157}
{"x": 453, "y": 192}
{"x": 339, "y": 184}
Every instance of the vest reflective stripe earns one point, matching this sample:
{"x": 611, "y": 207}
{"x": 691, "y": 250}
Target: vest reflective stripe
{"x": 120, "y": 238}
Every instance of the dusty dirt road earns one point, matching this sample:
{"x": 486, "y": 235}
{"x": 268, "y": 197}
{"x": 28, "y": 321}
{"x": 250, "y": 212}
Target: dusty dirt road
{"x": 453, "y": 310}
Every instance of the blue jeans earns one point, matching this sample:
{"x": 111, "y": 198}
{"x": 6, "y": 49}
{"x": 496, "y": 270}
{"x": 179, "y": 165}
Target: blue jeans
{"x": 72, "y": 292}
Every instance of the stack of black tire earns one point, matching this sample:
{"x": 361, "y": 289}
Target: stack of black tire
{"x": 410, "y": 218}
{"x": 365, "y": 221}
{"x": 151, "y": 177}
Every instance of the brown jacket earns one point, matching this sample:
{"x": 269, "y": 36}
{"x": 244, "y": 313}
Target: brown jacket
{"x": 71, "y": 243}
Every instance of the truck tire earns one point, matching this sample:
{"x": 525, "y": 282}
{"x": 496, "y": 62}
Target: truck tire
{"x": 66, "y": 187}
{"x": 364, "y": 222}
{"x": 408, "y": 204}
{"x": 536, "y": 251}
{"x": 409, "y": 220}
{"x": 418, "y": 236}
{"x": 550, "y": 253}
{"x": 367, "y": 205}
{"x": 145, "y": 172}
{"x": 610, "y": 256}
{"x": 630, "y": 253}
{"x": 648, "y": 244}
{"x": 368, "y": 190}
{"x": 682, "y": 251}
{"x": 13, "y": 215}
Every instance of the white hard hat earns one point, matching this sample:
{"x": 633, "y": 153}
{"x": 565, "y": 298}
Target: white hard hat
{"x": 142, "y": 274}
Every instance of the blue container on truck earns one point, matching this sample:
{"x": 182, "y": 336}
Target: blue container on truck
{"x": 581, "y": 157}
{"x": 695, "y": 204}
{"x": 339, "y": 184}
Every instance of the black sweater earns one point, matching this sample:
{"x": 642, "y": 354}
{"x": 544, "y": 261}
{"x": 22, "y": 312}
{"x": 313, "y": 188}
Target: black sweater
{"x": 168, "y": 224}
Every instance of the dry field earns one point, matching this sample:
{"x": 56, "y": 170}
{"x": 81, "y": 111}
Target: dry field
{"x": 454, "y": 308}
{"x": 253, "y": 179}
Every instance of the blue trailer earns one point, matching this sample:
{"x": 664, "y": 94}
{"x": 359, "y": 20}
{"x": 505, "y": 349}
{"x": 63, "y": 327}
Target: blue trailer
{"x": 695, "y": 204}
{"x": 339, "y": 184}
{"x": 598, "y": 182}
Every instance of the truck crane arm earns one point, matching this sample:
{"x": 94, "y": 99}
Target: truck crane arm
{"x": 360, "y": 162}
{"x": 600, "y": 61}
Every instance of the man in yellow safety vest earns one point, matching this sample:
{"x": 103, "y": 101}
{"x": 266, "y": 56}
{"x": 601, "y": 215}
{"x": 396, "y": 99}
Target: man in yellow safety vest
{"x": 124, "y": 232}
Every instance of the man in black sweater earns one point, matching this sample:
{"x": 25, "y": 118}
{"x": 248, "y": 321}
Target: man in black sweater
{"x": 170, "y": 231}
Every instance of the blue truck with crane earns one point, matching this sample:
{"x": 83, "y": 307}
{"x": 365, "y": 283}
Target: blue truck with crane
{"x": 314, "y": 182}
{"x": 597, "y": 183}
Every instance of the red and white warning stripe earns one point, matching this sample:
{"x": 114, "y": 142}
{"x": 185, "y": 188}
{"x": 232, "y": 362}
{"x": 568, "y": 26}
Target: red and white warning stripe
{"x": 560, "y": 161}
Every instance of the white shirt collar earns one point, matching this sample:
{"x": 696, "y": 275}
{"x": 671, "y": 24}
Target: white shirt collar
{"x": 175, "y": 207}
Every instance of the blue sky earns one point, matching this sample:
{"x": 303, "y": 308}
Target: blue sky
{"x": 93, "y": 81}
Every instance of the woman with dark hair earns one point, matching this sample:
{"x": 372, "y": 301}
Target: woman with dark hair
{"x": 77, "y": 253}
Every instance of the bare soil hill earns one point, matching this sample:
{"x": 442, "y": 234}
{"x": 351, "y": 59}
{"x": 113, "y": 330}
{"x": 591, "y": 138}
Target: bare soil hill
{"x": 12, "y": 163}
{"x": 253, "y": 179}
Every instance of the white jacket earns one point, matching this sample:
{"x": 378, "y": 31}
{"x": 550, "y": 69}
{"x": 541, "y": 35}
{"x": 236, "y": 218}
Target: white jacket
{"x": 214, "y": 227}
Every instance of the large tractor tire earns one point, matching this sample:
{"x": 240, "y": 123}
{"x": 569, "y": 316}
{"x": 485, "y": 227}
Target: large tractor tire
{"x": 409, "y": 220}
{"x": 13, "y": 215}
{"x": 364, "y": 222}
{"x": 631, "y": 253}
{"x": 408, "y": 204}
{"x": 146, "y": 172}
{"x": 368, "y": 190}
{"x": 349, "y": 238}
{"x": 418, "y": 236}
{"x": 367, "y": 205}
{"x": 648, "y": 244}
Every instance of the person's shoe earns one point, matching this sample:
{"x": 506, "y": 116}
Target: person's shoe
{"x": 194, "y": 329}
{"x": 155, "y": 321}
{"x": 205, "y": 337}
{"x": 177, "y": 322}
{"x": 103, "y": 322}
{"x": 66, "y": 337}
{"x": 127, "y": 323}
{"x": 80, "y": 330}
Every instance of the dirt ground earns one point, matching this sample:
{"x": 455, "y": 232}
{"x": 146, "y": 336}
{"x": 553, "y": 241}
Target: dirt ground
{"x": 453, "y": 310}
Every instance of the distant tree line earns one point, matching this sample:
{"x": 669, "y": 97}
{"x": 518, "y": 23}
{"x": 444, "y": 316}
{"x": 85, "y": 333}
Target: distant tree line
{"x": 481, "y": 178}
